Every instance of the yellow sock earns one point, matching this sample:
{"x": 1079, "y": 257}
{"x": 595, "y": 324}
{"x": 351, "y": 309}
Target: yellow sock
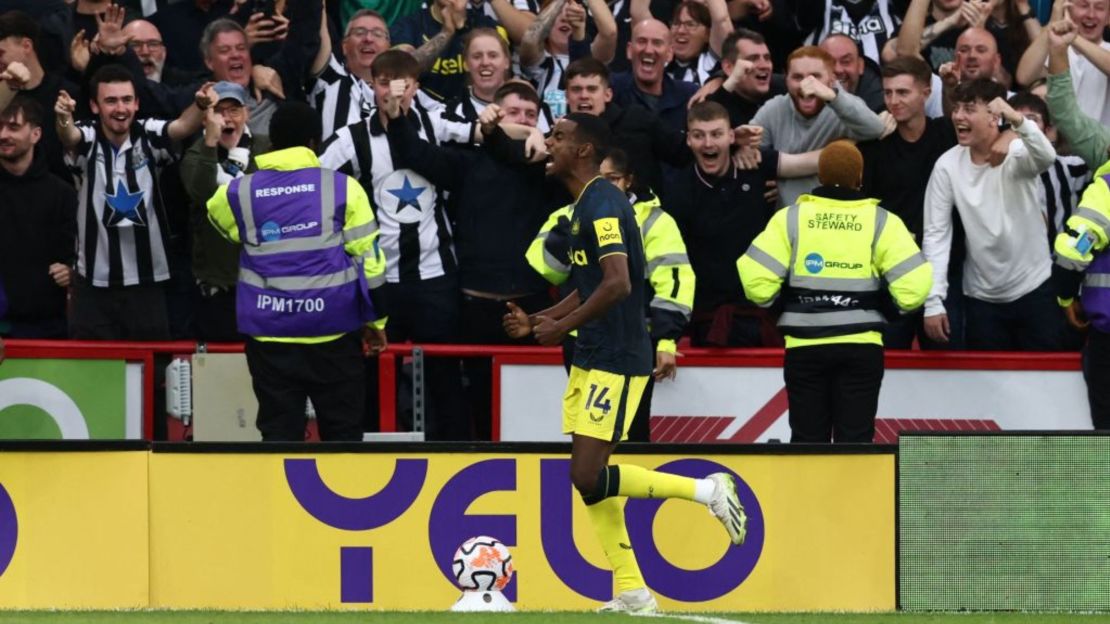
{"x": 639, "y": 482}
{"x": 607, "y": 517}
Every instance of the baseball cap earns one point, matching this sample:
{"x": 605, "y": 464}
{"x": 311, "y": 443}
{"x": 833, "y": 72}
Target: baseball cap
{"x": 230, "y": 91}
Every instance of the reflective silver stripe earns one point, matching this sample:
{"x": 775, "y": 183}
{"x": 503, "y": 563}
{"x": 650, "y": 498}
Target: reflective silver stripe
{"x": 1071, "y": 264}
{"x": 653, "y": 216}
{"x": 374, "y": 282}
{"x": 836, "y": 284}
{"x": 554, "y": 263}
{"x": 327, "y": 203}
{"x": 671, "y": 306}
{"x": 667, "y": 260}
{"x": 792, "y": 234}
{"x": 770, "y": 302}
{"x": 1094, "y": 216}
{"x": 362, "y": 231}
{"x": 903, "y": 267}
{"x": 765, "y": 260}
{"x": 284, "y": 246}
{"x": 294, "y": 283}
{"x": 880, "y": 223}
{"x": 250, "y": 237}
{"x": 1097, "y": 280}
{"x": 829, "y": 319}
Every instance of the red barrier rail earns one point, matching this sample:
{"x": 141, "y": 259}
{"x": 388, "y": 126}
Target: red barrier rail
{"x": 387, "y": 376}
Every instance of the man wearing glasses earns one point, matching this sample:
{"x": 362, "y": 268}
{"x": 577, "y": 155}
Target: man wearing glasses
{"x": 342, "y": 94}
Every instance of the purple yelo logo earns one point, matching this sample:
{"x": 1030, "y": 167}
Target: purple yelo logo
{"x": 9, "y": 530}
{"x": 450, "y": 525}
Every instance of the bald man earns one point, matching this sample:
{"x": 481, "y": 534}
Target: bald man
{"x": 858, "y": 74}
{"x": 977, "y": 55}
{"x": 647, "y": 85}
{"x": 147, "y": 43}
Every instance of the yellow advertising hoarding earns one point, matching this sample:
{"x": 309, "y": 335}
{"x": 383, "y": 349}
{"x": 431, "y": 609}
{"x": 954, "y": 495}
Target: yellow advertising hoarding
{"x": 73, "y": 530}
{"x": 378, "y": 531}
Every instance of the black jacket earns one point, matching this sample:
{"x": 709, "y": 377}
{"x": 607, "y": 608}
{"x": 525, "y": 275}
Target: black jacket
{"x": 647, "y": 141}
{"x": 38, "y": 227}
{"x": 499, "y": 206}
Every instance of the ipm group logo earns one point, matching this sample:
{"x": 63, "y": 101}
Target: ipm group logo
{"x": 449, "y": 525}
{"x": 9, "y": 529}
{"x": 814, "y": 262}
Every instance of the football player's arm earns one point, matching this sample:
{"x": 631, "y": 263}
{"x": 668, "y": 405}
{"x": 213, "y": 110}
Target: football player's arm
{"x": 559, "y": 310}
{"x": 614, "y": 287}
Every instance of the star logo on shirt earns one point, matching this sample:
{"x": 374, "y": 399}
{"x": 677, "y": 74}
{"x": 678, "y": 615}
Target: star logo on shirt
{"x": 125, "y": 206}
{"x": 407, "y": 195}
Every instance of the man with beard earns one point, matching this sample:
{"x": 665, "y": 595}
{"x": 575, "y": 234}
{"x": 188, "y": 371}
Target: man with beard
{"x": 223, "y": 155}
{"x": 19, "y": 43}
{"x": 746, "y": 62}
{"x": 39, "y": 215}
{"x": 648, "y": 85}
{"x": 121, "y": 242}
{"x": 814, "y": 112}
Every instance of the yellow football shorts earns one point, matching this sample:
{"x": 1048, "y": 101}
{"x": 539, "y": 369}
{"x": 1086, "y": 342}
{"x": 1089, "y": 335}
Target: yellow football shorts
{"x": 600, "y": 404}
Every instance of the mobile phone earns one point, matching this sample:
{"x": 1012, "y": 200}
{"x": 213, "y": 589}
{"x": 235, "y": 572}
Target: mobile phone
{"x": 265, "y": 7}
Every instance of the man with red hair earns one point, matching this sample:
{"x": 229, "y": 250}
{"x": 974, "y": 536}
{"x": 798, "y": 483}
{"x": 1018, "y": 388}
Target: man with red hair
{"x": 813, "y": 112}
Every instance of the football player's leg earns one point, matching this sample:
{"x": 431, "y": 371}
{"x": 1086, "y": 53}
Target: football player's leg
{"x": 606, "y": 513}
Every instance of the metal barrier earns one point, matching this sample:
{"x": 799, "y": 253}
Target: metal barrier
{"x": 144, "y": 352}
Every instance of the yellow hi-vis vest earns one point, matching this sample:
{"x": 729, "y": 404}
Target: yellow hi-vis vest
{"x": 668, "y": 267}
{"x": 829, "y": 260}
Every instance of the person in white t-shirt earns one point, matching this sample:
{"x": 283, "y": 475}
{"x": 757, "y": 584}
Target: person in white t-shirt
{"x": 1088, "y": 56}
{"x": 1010, "y": 303}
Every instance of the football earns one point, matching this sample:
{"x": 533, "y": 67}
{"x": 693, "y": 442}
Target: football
{"x": 482, "y": 564}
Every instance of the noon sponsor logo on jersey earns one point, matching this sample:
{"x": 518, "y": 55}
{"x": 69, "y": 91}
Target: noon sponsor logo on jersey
{"x": 608, "y": 231}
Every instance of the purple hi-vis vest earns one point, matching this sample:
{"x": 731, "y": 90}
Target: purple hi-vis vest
{"x": 1096, "y": 292}
{"x": 295, "y": 278}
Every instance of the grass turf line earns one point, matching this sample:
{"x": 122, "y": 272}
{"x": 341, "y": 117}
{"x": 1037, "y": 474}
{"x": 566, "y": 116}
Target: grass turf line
{"x": 373, "y": 617}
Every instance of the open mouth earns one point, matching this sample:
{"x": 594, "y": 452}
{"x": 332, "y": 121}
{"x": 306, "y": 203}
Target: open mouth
{"x": 963, "y": 131}
{"x": 647, "y": 61}
{"x": 228, "y": 131}
{"x": 584, "y": 107}
{"x": 120, "y": 117}
{"x": 485, "y": 73}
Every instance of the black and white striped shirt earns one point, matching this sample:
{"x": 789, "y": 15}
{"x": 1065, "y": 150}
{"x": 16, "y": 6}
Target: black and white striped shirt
{"x": 340, "y": 97}
{"x": 468, "y": 108}
{"x": 1059, "y": 190}
{"x": 871, "y": 31}
{"x": 696, "y": 71}
{"x": 411, "y": 211}
{"x": 121, "y": 219}
{"x": 547, "y": 77}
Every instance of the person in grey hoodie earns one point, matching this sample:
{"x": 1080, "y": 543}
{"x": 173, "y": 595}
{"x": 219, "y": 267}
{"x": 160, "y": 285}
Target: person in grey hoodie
{"x": 814, "y": 112}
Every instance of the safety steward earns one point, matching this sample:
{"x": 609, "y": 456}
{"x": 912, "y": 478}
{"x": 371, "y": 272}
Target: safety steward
{"x": 308, "y": 270}
{"x": 1083, "y": 269}
{"x": 829, "y": 255}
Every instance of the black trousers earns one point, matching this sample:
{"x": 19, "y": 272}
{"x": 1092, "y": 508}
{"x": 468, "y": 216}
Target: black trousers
{"x": 215, "y": 318}
{"x": 118, "y": 312}
{"x": 427, "y": 312}
{"x": 329, "y": 373}
{"x": 1032, "y": 322}
{"x": 481, "y": 324}
{"x": 1096, "y": 372}
{"x": 833, "y": 391}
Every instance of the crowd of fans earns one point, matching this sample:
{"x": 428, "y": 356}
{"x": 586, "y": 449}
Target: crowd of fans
{"x": 119, "y": 121}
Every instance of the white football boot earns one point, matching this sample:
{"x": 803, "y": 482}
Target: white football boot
{"x": 635, "y": 602}
{"x": 725, "y": 504}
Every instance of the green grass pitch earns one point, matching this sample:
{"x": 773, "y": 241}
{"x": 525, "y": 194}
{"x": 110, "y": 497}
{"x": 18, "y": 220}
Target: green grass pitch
{"x": 223, "y": 617}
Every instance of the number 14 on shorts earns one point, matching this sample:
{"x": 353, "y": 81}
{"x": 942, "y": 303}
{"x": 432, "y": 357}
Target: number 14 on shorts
{"x": 601, "y": 402}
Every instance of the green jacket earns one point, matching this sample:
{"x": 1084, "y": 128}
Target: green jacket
{"x": 1088, "y": 138}
{"x": 215, "y": 259}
